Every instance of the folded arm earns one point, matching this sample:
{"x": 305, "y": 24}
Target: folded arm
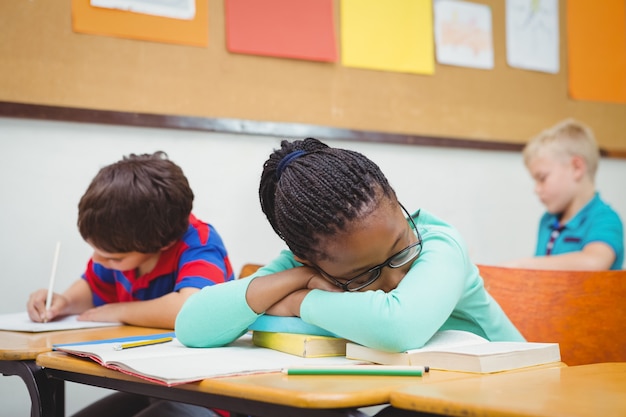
{"x": 219, "y": 314}
{"x": 405, "y": 317}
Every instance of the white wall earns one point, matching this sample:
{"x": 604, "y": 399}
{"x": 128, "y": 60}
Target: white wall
{"x": 46, "y": 166}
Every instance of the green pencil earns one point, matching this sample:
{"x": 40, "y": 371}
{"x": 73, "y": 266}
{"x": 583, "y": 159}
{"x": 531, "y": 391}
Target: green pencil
{"x": 372, "y": 370}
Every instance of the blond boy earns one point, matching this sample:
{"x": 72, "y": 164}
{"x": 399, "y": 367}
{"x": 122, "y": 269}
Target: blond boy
{"x": 579, "y": 231}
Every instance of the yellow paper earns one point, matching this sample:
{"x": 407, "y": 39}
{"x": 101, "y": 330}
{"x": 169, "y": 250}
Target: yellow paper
{"x": 390, "y": 35}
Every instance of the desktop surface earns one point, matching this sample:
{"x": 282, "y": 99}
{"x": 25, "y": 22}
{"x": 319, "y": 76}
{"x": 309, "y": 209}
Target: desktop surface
{"x": 18, "y": 346}
{"x": 302, "y": 391}
{"x": 575, "y": 391}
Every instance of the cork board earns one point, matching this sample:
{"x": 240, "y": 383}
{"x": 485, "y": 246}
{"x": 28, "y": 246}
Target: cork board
{"x": 44, "y": 62}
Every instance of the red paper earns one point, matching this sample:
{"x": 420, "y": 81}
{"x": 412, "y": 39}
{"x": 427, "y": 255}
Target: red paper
{"x": 300, "y": 29}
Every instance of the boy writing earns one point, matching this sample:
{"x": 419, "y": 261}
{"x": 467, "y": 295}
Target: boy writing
{"x": 579, "y": 231}
{"x": 150, "y": 253}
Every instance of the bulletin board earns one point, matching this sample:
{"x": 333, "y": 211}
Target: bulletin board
{"x": 47, "y": 65}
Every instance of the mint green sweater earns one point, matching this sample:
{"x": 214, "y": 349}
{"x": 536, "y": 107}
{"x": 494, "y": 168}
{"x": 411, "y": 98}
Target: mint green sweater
{"x": 441, "y": 291}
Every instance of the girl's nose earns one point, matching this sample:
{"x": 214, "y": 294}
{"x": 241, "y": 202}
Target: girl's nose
{"x": 393, "y": 277}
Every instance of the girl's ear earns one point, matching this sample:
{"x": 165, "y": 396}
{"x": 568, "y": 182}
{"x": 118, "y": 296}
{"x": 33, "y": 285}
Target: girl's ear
{"x": 302, "y": 261}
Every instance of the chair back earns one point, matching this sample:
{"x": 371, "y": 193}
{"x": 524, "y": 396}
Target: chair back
{"x": 583, "y": 311}
{"x": 248, "y": 269}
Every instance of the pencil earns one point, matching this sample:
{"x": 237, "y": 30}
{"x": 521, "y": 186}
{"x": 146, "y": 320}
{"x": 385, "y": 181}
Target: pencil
{"x": 121, "y": 346}
{"x": 373, "y": 370}
{"x": 51, "y": 284}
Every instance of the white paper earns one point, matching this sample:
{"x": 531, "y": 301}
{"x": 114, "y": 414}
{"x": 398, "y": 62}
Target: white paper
{"x": 175, "y": 9}
{"x": 444, "y": 339}
{"x": 22, "y": 323}
{"x": 532, "y": 34}
{"x": 463, "y": 34}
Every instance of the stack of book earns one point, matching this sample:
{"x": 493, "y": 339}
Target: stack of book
{"x": 296, "y": 337}
{"x": 450, "y": 350}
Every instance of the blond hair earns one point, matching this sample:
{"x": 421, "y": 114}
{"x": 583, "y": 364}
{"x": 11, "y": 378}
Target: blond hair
{"x": 567, "y": 138}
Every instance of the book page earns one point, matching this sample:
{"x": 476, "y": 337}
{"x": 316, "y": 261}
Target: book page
{"x": 225, "y": 361}
{"x": 494, "y": 348}
{"x": 107, "y": 353}
{"x": 173, "y": 363}
{"x": 20, "y": 322}
{"x": 450, "y": 338}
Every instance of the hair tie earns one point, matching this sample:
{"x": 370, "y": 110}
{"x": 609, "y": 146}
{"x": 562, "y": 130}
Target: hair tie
{"x": 287, "y": 160}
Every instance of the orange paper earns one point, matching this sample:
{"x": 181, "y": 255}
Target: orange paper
{"x": 282, "y": 28}
{"x": 123, "y": 24}
{"x": 596, "y": 41}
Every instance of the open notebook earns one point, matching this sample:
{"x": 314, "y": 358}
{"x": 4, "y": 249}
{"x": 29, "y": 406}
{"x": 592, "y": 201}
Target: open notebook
{"x": 172, "y": 363}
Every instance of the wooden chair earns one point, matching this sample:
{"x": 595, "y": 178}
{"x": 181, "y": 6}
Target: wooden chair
{"x": 248, "y": 269}
{"x": 584, "y": 311}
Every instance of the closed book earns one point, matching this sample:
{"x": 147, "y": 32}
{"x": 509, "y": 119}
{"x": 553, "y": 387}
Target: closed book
{"x": 304, "y": 345}
{"x": 283, "y": 324}
{"x": 455, "y": 350}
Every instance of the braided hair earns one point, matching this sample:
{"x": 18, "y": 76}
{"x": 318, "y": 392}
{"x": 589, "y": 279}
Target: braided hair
{"x": 309, "y": 191}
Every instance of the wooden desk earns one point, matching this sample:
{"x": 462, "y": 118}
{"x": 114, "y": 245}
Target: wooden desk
{"x": 575, "y": 391}
{"x": 270, "y": 394}
{"x": 18, "y": 351}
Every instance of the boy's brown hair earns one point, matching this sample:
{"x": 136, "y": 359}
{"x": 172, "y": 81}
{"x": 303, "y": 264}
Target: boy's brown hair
{"x": 567, "y": 138}
{"x": 140, "y": 204}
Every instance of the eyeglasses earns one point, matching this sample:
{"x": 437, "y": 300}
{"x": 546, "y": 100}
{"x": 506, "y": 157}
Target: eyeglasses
{"x": 398, "y": 260}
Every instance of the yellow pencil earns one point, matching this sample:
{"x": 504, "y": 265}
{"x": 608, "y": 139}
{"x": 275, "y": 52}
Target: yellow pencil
{"x": 120, "y": 346}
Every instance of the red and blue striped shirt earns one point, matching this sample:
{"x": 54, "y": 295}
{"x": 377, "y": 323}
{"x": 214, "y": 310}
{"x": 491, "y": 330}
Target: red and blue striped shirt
{"x": 197, "y": 260}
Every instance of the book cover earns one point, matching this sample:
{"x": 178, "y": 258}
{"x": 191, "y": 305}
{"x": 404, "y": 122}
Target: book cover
{"x": 304, "y": 345}
{"x": 454, "y": 350}
{"x": 172, "y": 363}
{"x": 282, "y": 324}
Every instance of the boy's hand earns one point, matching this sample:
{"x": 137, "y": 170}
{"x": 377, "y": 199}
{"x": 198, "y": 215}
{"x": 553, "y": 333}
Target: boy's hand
{"x": 36, "y": 306}
{"x": 111, "y": 313}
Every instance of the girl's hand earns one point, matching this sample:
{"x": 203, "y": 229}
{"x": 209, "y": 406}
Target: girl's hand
{"x": 289, "y": 306}
{"x": 36, "y": 306}
{"x": 318, "y": 282}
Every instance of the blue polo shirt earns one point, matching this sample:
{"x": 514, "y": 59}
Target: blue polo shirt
{"x": 596, "y": 222}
